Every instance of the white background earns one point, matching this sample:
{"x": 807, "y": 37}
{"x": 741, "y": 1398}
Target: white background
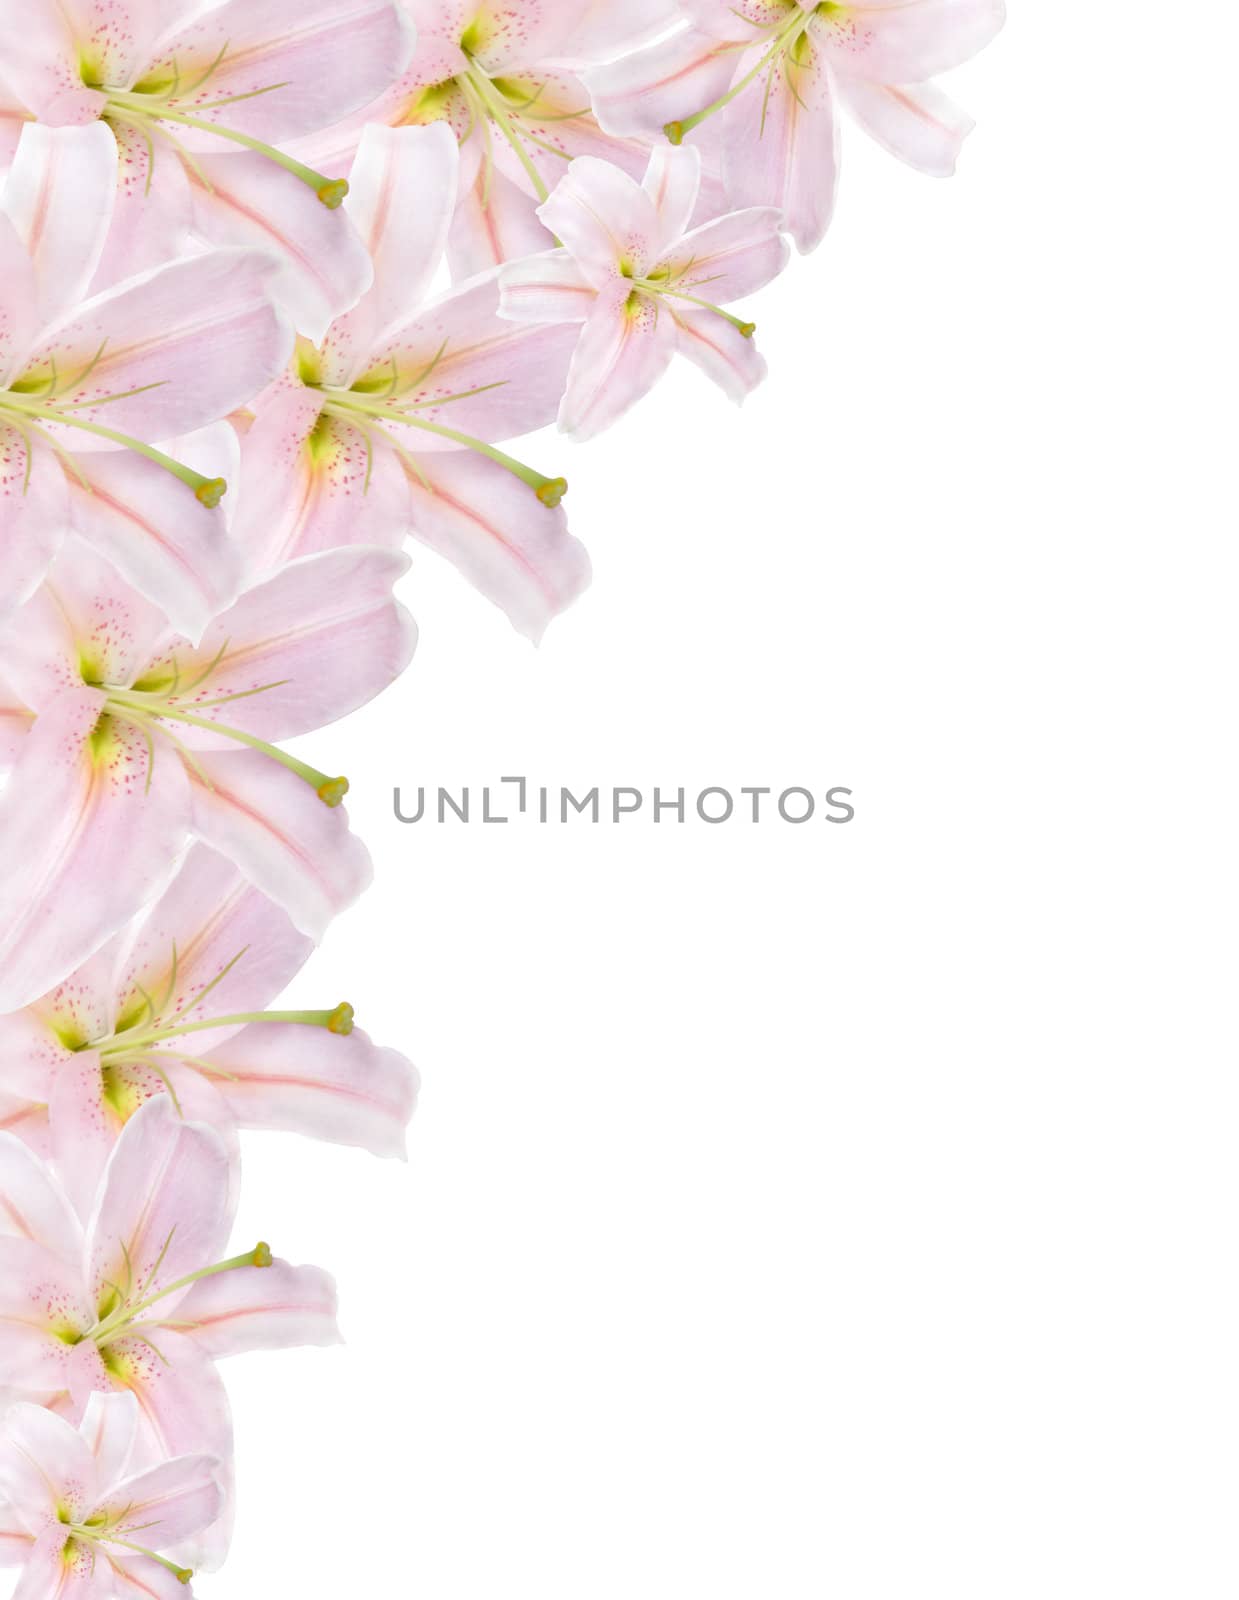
{"x": 825, "y": 1211}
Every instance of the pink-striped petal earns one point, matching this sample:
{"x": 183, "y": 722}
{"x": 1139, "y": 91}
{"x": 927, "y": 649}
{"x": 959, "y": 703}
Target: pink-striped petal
{"x": 731, "y": 257}
{"x": 516, "y": 551}
{"x": 346, "y": 1090}
{"x": 316, "y": 640}
{"x": 110, "y": 1427}
{"x": 209, "y": 929}
{"x": 546, "y": 288}
{"x": 916, "y": 122}
{"x": 781, "y": 142}
{"x": 87, "y": 827}
{"x": 401, "y": 199}
{"x": 33, "y": 1206}
{"x": 721, "y": 351}
{"x": 261, "y": 43}
{"x": 283, "y": 838}
{"x": 278, "y": 1307}
{"x": 59, "y": 194}
{"x": 624, "y": 349}
{"x": 162, "y": 1209}
{"x": 153, "y": 529}
{"x": 200, "y": 338}
{"x": 885, "y": 43}
{"x": 165, "y": 1504}
{"x": 323, "y": 268}
{"x": 667, "y": 82}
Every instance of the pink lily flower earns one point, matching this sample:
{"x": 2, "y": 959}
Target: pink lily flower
{"x": 389, "y": 427}
{"x": 78, "y": 1518}
{"x": 774, "y": 72}
{"x": 176, "y": 82}
{"x": 89, "y": 387}
{"x": 176, "y": 1004}
{"x": 505, "y": 77}
{"x": 637, "y": 283}
{"x": 138, "y": 1298}
{"x": 140, "y": 739}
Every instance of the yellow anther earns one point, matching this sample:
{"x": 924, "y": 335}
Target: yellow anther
{"x": 211, "y": 491}
{"x": 552, "y": 492}
{"x": 341, "y": 1020}
{"x": 332, "y": 193}
{"x": 262, "y": 1254}
{"x": 333, "y": 791}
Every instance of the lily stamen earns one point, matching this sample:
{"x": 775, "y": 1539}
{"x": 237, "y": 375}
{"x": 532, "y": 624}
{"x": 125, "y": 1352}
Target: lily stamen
{"x": 149, "y": 109}
{"x": 785, "y": 40}
{"x": 339, "y": 1020}
{"x": 148, "y": 712}
{"x": 208, "y": 491}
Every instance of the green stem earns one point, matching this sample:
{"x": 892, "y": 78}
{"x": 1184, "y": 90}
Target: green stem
{"x": 330, "y": 191}
{"x": 550, "y": 491}
{"x": 677, "y": 131}
{"x": 339, "y": 1020}
{"x": 124, "y": 1316}
{"x": 331, "y": 791}
{"x": 209, "y": 491}
{"x": 493, "y": 104}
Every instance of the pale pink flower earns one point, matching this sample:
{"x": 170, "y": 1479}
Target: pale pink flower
{"x": 137, "y": 1295}
{"x": 642, "y": 287}
{"x": 178, "y": 81}
{"x": 177, "y": 1003}
{"x": 81, "y": 1520}
{"x": 139, "y": 739}
{"x": 505, "y": 76}
{"x": 388, "y": 428}
{"x": 775, "y": 72}
{"x": 89, "y": 386}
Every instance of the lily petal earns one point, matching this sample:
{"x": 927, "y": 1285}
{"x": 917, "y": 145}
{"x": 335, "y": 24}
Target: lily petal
{"x": 781, "y": 142}
{"x": 167, "y": 1503}
{"x": 885, "y": 43}
{"x": 210, "y": 317}
{"x": 323, "y": 267}
{"x": 261, "y": 43}
{"x": 624, "y": 349}
{"x": 87, "y": 827}
{"x": 34, "y": 500}
{"x": 210, "y": 927}
{"x": 261, "y": 1308}
{"x": 285, "y": 840}
{"x": 666, "y": 82}
{"x": 546, "y": 288}
{"x": 45, "y": 1464}
{"x": 721, "y": 351}
{"x": 59, "y": 194}
{"x": 346, "y": 1090}
{"x": 516, "y": 551}
{"x": 154, "y": 530}
{"x": 401, "y": 200}
{"x": 326, "y": 628}
{"x": 162, "y": 1209}
{"x": 916, "y": 122}
{"x": 109, "y": 1428}
{"x": 33, "y": 1206}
